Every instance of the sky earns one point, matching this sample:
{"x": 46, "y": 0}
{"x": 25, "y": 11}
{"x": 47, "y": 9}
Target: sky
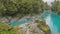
{"x": 48, "y": 1}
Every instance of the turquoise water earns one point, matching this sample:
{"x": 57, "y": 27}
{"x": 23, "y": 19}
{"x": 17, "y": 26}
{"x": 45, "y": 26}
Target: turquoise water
{"x": 56, "y": 22}
{"x": 52, "y": 20}
{"x": 21, "y": 22}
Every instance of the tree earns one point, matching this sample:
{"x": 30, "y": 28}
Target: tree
{"x": 47, "y": 7}
{"x": 21, "y": 8}
{"x": 56, "y": 7}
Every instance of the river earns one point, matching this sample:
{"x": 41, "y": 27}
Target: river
{"x": 52, "y": 20}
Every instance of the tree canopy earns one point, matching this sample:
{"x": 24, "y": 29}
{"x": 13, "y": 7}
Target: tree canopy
{"x": 20, "y": 8}
{"x": 56, "y": 7}
{"x": 14, "y": 7}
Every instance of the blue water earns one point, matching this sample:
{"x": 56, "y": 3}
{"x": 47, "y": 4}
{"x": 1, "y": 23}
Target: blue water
{"x": 56, "y": 22}
{"x": 52, "y": 20}
{"x": 21, "y": 22}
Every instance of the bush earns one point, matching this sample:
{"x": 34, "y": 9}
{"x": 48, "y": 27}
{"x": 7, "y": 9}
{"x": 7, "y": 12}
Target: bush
{"x": 6, "y": 29}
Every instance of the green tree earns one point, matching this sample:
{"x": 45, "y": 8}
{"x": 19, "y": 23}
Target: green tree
{"x": 21, "y": 8}
{"x": 56, "y": 7}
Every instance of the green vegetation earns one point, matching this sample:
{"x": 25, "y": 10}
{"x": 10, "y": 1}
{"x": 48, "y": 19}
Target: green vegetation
{"x": 7, "y": 29}
{"x": 56, "y": 7}
{"x": 42, "y": 25}
{"x": 11, "y": 9}
{"x": 20, "y": 8}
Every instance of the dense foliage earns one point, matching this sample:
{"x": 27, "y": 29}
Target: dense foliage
{"x": 20, "y": 8}
{"x": 7, "y": 29}
{"x": 56, "y": 7}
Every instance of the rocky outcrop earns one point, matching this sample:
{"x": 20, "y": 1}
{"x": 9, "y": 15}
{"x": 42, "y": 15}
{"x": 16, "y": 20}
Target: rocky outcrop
{"x": 38, "y": 27}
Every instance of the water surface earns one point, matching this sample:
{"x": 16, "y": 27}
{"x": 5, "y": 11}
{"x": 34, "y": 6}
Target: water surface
{"x": 52, "y": 20}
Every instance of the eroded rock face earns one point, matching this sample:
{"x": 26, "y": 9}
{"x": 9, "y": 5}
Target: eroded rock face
{"x": 36, "y": 28}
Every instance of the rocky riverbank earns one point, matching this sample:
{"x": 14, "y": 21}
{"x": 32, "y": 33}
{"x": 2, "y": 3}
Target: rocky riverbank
{"x": 36, "y": 27}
